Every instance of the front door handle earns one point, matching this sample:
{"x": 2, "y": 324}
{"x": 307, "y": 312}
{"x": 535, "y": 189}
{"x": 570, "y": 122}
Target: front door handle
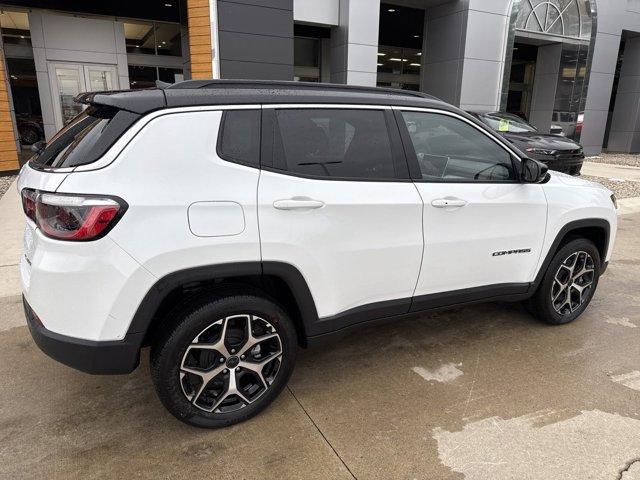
{"x": 298, "y": 203}
{"x": 448, "y": 202}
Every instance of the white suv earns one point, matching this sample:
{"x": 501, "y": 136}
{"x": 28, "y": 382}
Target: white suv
{"x": 226, "y": 223}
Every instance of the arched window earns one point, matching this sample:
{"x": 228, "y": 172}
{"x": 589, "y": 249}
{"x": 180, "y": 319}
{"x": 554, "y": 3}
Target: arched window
{"x": 565, "y": 18}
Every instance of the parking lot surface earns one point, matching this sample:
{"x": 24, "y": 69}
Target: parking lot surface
{"x": 478, "y": 392}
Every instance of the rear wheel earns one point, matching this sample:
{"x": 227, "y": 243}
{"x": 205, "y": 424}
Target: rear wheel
{"x": 223, "y": 360}
{"x": 569, "y": 283}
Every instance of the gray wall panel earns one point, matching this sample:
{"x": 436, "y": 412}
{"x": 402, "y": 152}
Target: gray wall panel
{"x": 258, "y": 71}
{"x": 256, "y": 39}
{"x": 625, "y": 123}
{"x": 236, "y": 17}
{"x": 255, "y": 48}
{"x": 281, "y": 4}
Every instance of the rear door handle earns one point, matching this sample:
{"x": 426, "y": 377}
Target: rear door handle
{"x": 298, "y": 203}
{"x": 448, "y": 202}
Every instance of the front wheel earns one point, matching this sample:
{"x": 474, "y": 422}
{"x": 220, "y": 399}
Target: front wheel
{"x": 223, "y": 360}
{"x": 569, "y": 283}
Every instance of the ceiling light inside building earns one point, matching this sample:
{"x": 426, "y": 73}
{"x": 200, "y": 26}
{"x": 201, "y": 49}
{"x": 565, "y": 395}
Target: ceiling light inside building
{"x": 380, "y": 54}
{"x": 419, "y": 53}
{"x": 168, "y": 5}
{"x": 380, "y": 64}
{"x": 391, "y": 10}
{"x": 416, "y": 36}
{"x": 414, "y": 64}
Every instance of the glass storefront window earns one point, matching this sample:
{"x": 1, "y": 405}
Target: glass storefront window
{"x": 568, "y": 24}
{"x": 142, "y": 77}
{"x": 564, "y": 18}
{"x": 168, "y": 39}
{"x": 399, "y": 67}
{"x": 15, "y": 28}
{"x": 170, "y": 75}
{"x": 306, "y": 52}
{"x": 153, "y": 38}
{"x": 69, "y": 85}
{"x": 139, "y": 37}
{"x": 145, "y": 77}
{"x": 306, "y": 59}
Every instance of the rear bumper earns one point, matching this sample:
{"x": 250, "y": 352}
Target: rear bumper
{"x": 108, "y": 357}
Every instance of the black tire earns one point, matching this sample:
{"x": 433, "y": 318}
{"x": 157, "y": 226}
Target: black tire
{"x": 190, "y": 321}
{"x": 541, "y": 304}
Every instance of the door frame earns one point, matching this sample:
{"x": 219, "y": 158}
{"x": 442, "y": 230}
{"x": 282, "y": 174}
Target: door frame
{"x": 83, "y": 69}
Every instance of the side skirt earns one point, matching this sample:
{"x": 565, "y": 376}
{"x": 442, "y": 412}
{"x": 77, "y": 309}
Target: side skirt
{"x": 382, "y": 312}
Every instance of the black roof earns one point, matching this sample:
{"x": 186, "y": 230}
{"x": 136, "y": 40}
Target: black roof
{"x": 238, "y": 92}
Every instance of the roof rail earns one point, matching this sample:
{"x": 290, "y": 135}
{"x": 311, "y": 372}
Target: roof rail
{"x": 197, "y": 84}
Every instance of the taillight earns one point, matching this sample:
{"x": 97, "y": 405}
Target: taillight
{"x": 29, "y": 203}
{"x": 72, "y": 217}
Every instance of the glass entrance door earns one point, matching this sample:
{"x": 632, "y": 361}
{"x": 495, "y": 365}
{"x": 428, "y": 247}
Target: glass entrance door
{"x": 70, "y": 79}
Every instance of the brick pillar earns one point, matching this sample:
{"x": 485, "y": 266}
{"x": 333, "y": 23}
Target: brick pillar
{"x": 200, "y": 41}
{"x": 8, "y": 140}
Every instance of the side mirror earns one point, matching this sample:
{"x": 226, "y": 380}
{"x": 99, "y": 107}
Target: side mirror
{"x": 38, "y": 147}
{"x": 533, "y": 171}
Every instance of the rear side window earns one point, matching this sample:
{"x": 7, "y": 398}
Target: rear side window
{"x": 239, "y": 139}
{"x": 86, "y": 138}
{"x": 334, "y": 143}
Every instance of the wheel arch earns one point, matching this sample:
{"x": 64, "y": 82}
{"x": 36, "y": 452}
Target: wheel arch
{"x": 278, "y": 281}
{"x": 597, "y": 230}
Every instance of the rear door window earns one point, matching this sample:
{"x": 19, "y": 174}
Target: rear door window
{"x": 333, "y": 143}
{"x": 86, "y": 138}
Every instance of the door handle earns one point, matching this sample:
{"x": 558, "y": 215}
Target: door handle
{"x": 448, "y": 202}
{"x": 298, "y": 203}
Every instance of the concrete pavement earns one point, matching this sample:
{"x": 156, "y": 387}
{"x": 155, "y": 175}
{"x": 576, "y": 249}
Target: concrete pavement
{"x": 11, "y": 230}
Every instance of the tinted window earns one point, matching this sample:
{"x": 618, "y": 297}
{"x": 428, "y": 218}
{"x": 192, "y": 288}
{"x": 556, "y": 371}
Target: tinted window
{"x": 85, "y": 138}
{"x": 333, "y": 143}
{"x": 240, "y": 136}
{"x": 452, "y": 150}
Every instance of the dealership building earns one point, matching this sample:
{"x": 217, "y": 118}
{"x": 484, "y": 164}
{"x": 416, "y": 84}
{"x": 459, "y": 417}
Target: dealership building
{"x": 570, "y": 63}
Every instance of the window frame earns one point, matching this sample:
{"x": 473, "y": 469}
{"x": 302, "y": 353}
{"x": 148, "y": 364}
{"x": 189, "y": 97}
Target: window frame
{"x": 221, "y": 126}
{"x": 401, "y": 166}
{"x": 412, "y": 158}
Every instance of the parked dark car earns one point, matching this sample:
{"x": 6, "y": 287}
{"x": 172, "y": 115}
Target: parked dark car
{"x": 557, "y": 152}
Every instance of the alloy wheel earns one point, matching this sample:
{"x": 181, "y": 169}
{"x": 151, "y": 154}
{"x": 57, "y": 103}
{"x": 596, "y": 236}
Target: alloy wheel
{"x": 231, "y": 363}
{"x": 572, "y": 282}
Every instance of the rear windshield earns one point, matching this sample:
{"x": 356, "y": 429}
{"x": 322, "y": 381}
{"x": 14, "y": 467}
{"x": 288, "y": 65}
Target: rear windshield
{"x": 85, "y": 139}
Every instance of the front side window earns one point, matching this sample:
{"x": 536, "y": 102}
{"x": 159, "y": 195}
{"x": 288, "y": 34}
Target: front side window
{"x": 336, "y": 143}
{"x": 449, "y": 149}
